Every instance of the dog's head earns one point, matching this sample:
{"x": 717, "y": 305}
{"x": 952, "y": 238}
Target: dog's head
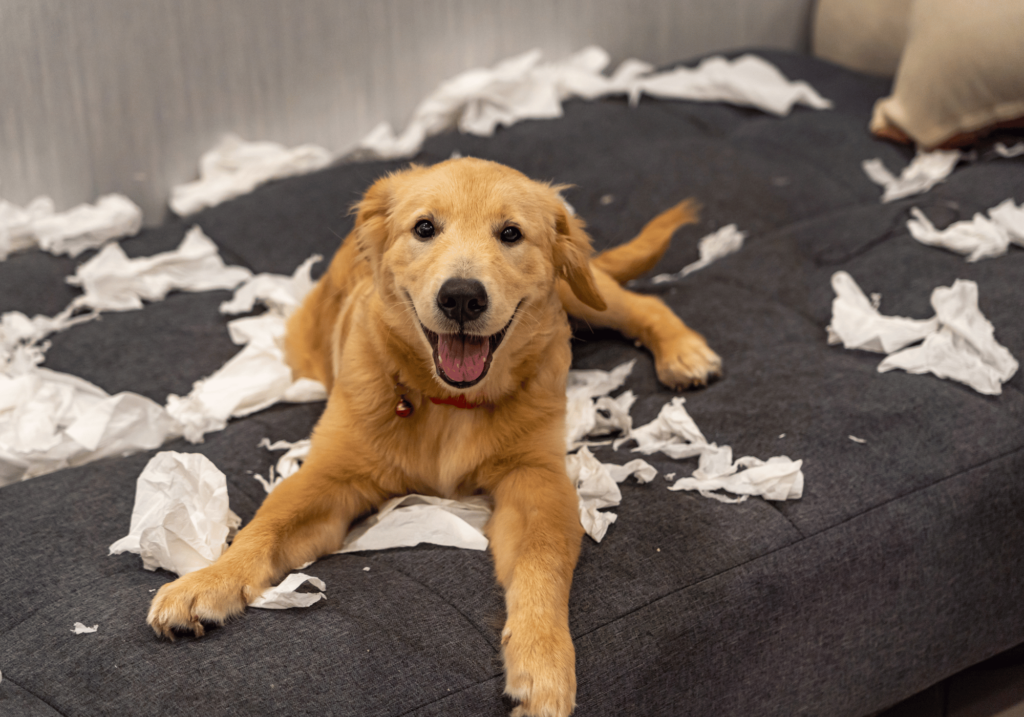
{"x": 466, "y": 255}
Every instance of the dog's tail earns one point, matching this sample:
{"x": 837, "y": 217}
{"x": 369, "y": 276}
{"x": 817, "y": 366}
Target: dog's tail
{"x": 630, "y": 260}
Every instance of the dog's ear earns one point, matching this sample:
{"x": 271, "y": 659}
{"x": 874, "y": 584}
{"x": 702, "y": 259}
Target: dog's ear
{"x": 571, "y": 254}
{"x": 372, "y": 212}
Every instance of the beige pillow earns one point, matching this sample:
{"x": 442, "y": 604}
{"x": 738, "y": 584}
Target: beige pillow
{"x": 961, "y": 75}
{"x": 863, "y": 35}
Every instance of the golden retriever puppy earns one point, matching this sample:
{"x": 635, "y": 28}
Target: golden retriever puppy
{"x": 440, "y": 330}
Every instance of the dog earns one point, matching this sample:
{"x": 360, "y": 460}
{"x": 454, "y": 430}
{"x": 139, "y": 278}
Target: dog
{"x": 440, "y": 330}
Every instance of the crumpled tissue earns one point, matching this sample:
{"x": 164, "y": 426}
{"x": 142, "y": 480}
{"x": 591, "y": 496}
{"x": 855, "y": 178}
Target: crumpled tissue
{"x": 596, "y": 484}
{"x": 287, "y": 465}
{"x": 925, "y": 171}
{"x": 675, "y": 433}
{"x": 981, "y": 238}
{"x": 858, "y": 324}
{"x": 522, "y": 87}
{"x": 1009, "y": 152}
{"x": 413, "y": 519}
{"x": 235, "y": 167}
{"x": 713, "y": 247}
{"x": 589, "y": 410}
{"x": 964, "y": 349}
{"x": 113, "y": 282}
{"x": 181, "y": 522}
{"x": 256, "y": 377}
{"x": 959, "y": 342}
{"x": 86, "y": 226}
{"x": 51, "y": 420}
{"x": 81, "y": 629}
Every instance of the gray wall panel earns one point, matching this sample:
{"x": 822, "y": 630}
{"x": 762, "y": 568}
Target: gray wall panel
{"x": 123, "y": 95}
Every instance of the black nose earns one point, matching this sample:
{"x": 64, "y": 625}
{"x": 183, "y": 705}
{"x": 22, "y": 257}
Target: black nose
{"x": 462, "y": 300}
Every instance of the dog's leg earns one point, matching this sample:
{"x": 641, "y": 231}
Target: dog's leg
{"x": 305, "y": 517}
{"x": 535, "y": 538}
{"x": 682, "y": 357}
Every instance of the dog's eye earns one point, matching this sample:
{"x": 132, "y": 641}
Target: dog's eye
{"x": 424, "y": 229}
{"x": 511, "y": 235}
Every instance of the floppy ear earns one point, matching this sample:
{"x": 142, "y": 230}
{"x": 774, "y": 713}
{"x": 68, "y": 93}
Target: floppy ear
{"x": 371, "y": 230}
{"x": 571, "y": 253}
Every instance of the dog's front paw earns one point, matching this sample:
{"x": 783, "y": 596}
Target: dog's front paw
{"x": 540, "y": 671}
{"x": 207, "y": 595}
{"x": 687, "y": 362}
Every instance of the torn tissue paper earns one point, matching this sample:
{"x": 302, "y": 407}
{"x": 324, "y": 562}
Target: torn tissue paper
{"x": 479, "y": 100}
{"x": 51, "y": 420}
{"x": 713, "y": 247}
{"x": 113, "y": 282}
{"x": 959, "y": 342}
{"x": 414, "y": 519}
{"x": 857, "y": 323}
{"x": 256, "y": 377}
{"x": 596, "y": 484}
{"x": 181, "y": 519}
{"x": 235, "y": 167}
{"x": 589, "y": 411}
{"x": 81, "y": 629}
{"x": 181, "y": 522}
{"x": 925, "y": 171}
{"x": 287, "y": 465}
{"x": 676, "y": 434}
{"x": 1009, "y": 152}
{"x": 980, "y": 238}
{"x": 86, "y": 226}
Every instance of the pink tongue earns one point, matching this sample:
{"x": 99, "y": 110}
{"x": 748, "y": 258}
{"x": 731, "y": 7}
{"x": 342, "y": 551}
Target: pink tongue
{"x": 462, "y": 358}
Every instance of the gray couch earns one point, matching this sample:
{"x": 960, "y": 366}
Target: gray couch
{"x": 900, "y": 565}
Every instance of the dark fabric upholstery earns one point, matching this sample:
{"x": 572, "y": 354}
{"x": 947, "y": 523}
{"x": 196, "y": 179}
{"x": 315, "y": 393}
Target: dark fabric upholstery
{"x": 900, "y": 565}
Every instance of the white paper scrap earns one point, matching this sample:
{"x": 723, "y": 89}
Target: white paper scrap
{"x": 1009, "y": 152}
{"x": 81, "y": 629}
{"x": 596, "y": 488}
{"x": 857, "y": 440}
{"x": 747, "y": 81}
{"x": 965, "y": 349}
{"x": 857, "y": 324}
{"x": 285, "y": 595}
{"x": 86, "y": 226}
{"x": 51, "y": 420}
{"x": 584, "y": 390}
{"x": 279, "y": 293}
{"x": 673, "y": 433}
{"x": 713, "y": 247}
{"x": 113, "y": 282}
{"x": 925, "y": 171}
{"x": 413, "y": 519}
{"x": 523, "y": 87}
{"x": 181, "y": 520}
{"x": 235, "y": 167}
{"x": 778, "y": 478}
{"x": 980, "y": 238}
{"x": 287, "y": 465}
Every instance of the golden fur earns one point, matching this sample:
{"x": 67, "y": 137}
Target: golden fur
{"x": 359, "y": 332}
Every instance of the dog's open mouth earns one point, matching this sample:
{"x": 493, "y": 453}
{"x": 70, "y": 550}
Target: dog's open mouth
{"x": 462, "y": 360}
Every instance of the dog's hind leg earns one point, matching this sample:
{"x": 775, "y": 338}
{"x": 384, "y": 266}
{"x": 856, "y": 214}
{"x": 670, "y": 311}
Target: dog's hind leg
{"x": 305, "y": 517}
{"x": 682, "y": 357}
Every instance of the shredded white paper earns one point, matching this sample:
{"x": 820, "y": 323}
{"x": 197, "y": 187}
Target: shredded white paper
{"x": 959, "y": 342}
{"x": 413, "y": 519}
{"x": 235, "y": 167}
{"x": 1009, "y": 152}
{"x": 287, "y": 465}
{"x": 256, "y": 377}
{"x": 523, "y": 87}
{"x": 286, "y": 595}
{"x": 86, "y": 226}
{"x": 980, "y": 238}
{"x": 713, "y": 247}
{"x": 81, "y": 629}
{"x": 925, "y": 171}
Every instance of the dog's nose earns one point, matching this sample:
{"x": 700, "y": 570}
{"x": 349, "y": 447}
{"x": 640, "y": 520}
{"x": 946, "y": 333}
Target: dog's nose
{"x": 462, "y": 300}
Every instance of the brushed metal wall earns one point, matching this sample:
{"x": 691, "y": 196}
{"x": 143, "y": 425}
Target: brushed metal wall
{"x": 123, "y": 95}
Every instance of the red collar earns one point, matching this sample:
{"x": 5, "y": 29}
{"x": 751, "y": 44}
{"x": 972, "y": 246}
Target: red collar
{"x": 459, "y": 401}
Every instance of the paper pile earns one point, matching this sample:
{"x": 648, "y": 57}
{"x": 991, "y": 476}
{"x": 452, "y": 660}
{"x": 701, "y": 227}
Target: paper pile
{"x": 981, "y": 238}
{"x": 959, "y": 342}
{"x": 479, "y": 100}
{"x": 256, "y": 377}
{"x": 181, "y": 522}
{"x": 925, "y": 171}
{"x": 713, "y": 247}
{"x": 675, "y": 434}
{"x": 86, "y": 226}
{"x": 235, "y": 167}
